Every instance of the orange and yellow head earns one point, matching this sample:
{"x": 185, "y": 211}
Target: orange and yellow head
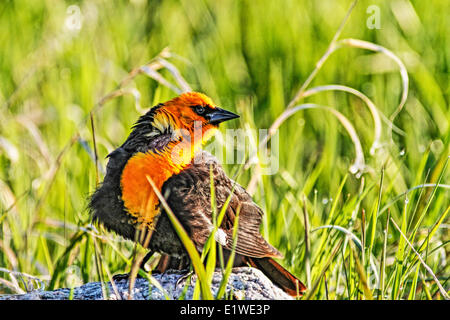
{"x": 191, "y": 111}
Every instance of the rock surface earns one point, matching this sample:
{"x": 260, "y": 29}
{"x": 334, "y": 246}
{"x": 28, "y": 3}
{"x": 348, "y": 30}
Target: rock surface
{"x": 244, "y": 283}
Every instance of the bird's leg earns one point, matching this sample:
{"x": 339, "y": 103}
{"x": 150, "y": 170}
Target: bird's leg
{"x": 168, "y": 264}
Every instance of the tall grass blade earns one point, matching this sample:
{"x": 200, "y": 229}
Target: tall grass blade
{"x": 430, "y": 271}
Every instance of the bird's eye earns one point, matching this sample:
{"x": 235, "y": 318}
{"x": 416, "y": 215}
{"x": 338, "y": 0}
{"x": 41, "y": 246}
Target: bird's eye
{"x": 199, "y": 110}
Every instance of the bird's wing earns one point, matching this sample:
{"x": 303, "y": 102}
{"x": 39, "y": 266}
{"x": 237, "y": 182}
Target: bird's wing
{"x": 188, "y": 195}
{"x": 105, "y": 203}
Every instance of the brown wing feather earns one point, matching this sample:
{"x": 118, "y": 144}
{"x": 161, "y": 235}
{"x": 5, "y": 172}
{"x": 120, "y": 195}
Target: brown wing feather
{"x": 188, "y": 195}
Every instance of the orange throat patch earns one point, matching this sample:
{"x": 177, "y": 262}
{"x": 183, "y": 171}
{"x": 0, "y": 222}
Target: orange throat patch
{"x": 139, "y": 198}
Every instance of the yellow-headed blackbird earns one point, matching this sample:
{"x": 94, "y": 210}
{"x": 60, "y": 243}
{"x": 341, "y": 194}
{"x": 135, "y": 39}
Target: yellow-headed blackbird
{"x": 165, "y": 146}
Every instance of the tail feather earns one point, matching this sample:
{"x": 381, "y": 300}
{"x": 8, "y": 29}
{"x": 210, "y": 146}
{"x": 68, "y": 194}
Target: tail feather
{"x": 279, "y": 275}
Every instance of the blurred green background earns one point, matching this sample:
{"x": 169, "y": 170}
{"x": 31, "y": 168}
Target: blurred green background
{"x": 59, "y": 58}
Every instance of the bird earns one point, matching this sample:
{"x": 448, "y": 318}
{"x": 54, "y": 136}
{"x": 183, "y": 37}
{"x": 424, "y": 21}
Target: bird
{"x": 165, "y": 146}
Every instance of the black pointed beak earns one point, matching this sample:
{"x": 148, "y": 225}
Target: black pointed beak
{"x": 220, "y": 115}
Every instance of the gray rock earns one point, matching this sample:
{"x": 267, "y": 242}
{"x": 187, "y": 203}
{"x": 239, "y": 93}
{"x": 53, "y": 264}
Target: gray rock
{"x": 244, "y": 283}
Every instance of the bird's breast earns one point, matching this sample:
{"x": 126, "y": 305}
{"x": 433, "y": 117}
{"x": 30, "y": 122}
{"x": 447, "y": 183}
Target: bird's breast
{"x": 138, "y": 195}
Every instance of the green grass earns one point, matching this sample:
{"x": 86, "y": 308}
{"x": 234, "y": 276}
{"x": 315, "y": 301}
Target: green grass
{"x": 251, "y": 57}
